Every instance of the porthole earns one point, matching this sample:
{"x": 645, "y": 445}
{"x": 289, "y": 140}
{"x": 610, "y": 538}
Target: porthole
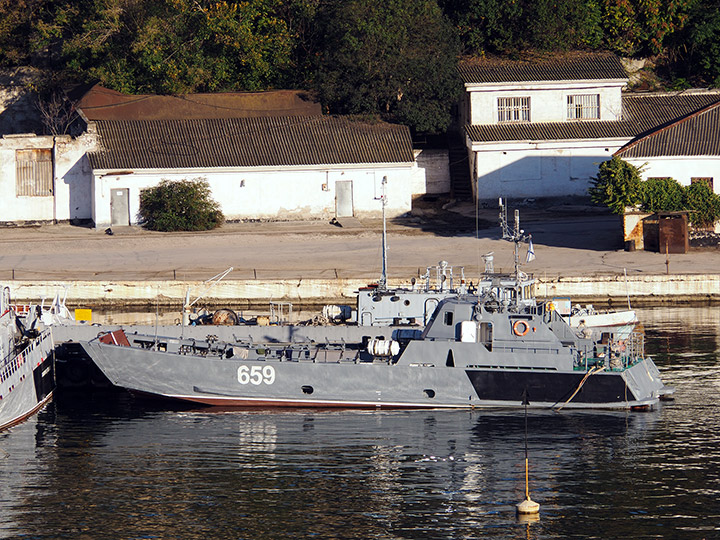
{"x": 307, "y": 389}
{"x": 429, "y": 393}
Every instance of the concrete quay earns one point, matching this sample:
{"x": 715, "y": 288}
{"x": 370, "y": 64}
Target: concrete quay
{"x": 644, "y": 290}
{"x": 578, "y": 254}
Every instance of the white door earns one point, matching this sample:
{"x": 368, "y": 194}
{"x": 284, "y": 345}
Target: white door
{"x": 344, "y": 199}
{"x": 119, "y": 207}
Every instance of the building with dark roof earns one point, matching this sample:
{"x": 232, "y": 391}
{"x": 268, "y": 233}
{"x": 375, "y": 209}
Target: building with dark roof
{"x": 268, "y": 155}
{"x": 265, "y": 155}
{"x": 541, "y": 127}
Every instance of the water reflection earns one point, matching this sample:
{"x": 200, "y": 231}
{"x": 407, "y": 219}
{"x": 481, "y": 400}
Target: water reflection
{"x": 110, "y": 466}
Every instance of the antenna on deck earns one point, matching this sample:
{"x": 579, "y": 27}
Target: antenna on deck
{"x": 383, "y": 198}
{"x": 515, "y": 235}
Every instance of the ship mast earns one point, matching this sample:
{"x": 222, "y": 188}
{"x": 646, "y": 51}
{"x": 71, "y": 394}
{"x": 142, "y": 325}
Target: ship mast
{"x": 383, "y": 278}
{"x": 515, "y": 235}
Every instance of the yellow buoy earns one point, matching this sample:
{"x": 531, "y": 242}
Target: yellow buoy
{"x": 528, "y": 506}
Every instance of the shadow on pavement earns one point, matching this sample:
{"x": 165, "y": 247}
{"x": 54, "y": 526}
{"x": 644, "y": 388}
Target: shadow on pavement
{"x": 564, "y": 222}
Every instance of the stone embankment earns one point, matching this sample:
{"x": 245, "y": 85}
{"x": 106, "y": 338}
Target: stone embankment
{"x": 643, "y": 290}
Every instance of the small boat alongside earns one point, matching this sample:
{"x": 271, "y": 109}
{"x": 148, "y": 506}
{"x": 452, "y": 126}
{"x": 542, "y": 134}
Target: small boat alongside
{"x": 474, "y": 352}
{"x": 27, "y": 378}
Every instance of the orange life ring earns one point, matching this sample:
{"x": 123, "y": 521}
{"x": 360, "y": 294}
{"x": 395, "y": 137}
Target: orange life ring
{"x": 516, "y": 328}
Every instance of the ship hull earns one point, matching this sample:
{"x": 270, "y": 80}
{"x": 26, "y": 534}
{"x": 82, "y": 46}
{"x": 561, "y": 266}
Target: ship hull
{"x": 27, "y": 381}
{"x": 346, "y": 383}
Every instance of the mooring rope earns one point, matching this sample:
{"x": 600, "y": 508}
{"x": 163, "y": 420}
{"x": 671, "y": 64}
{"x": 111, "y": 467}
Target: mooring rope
{"x": 593, "y": 371}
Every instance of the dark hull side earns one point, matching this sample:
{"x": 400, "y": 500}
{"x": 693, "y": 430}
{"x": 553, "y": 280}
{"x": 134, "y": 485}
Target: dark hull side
{"x": 493, "y": 389}
{"x": 44, "y": 378}
{"x": 549, "y": 387}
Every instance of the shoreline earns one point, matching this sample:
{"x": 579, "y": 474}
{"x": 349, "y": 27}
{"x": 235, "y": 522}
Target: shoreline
{"x": 610, "y": 290}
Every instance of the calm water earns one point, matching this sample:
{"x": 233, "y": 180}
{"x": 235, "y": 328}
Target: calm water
{"x": 107, "y": 466}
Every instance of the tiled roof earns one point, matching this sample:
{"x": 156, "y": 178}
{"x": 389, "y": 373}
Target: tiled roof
{"x": 642, "y": 114}
{"x": 104, "y": 104}
{"x": 570, "y": 67}
{"x": 694, "y": 135}
{"x": 248, "y": 142}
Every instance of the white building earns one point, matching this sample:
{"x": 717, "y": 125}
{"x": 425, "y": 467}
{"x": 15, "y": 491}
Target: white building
{"x": 687, "y": 150}
{"x": 257, "y": 168}
{"x": 267, "y": 155}
{"x": 541, "y": 128}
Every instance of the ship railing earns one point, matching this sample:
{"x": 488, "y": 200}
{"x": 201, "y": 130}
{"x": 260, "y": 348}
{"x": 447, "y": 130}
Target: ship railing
{"x": 618, "y": 354}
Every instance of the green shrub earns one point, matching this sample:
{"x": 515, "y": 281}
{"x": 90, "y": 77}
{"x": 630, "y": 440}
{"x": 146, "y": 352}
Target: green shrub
{"x": 617, "y": 185}
{"x": 702, "y": 203}
{"x": 661, "y": 195}
{"x": 183, "y": 205}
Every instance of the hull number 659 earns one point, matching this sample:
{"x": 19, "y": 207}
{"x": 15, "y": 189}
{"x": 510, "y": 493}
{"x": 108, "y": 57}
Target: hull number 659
{"x": 256, "y": 375}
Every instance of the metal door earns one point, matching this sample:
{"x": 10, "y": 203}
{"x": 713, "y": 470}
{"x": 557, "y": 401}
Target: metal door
{"x": 119, "y": 207}
{"x": 344, "y": 199}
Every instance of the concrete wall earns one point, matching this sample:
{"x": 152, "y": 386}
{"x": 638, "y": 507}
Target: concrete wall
{"x": 546, "y": 169}
{"x": 647, "y": 289}
{"x": 264, "y": 193}
{"x": 548, "y": 100}
{"x": 72, "y": 176}
{"x": 633, "y": 228}
{"x": 681, "y": 168}
{"x": 432, "y": 174}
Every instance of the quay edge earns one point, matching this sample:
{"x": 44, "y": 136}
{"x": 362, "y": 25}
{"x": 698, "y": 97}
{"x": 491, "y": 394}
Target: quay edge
{"x": 642, "y": 290}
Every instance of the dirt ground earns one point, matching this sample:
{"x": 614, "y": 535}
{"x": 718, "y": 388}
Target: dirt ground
{"x": 569, "y": 238}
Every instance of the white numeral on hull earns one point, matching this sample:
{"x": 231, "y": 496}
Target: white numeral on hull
{"x": 256, "y": 375}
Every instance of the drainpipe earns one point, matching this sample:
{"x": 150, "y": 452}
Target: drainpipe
{"x": 54, "y": 180}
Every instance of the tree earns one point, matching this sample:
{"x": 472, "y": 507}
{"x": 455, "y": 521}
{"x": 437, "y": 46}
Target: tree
{"x": 395, "y": 59}
{"x": 617, "y": 185}
{"x": 695, "y": 51}
{"x": 183, "y": 205}
{"x": 702, "y": 203}
{"x": 661, "y": 195}
{"x": 501, "y": 27}
{"x": 171, "y": 46}
{"x": 641, "y": 27}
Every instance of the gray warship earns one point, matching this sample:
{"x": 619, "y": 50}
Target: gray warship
{"x": 27, "y": 378}
{"x": 474, "y": 352}
{"x": 497, "y": 348}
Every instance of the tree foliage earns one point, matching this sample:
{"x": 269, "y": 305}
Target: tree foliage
{"x": 173, "y": 46}
{"x": 702, "y": 203}
{"x": 641, "y": 27}
{"x": 661, "y": 195}
{"x": 617, "y": 185}
{"x": 183, "y": 205}
{"x": 500, "y": 26}
{"x": 396, "y": 58}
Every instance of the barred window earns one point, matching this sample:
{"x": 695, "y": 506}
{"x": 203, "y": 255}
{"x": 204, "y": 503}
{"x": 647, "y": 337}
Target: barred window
{"x": 583, "y": 106}
{"x": 34, "y": 171}
{"x": 514, "y": 109}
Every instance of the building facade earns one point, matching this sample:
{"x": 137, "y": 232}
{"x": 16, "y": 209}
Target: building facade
{"x": 541, "y": 127}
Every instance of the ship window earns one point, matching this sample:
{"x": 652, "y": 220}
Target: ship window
{"x": 486, "y": 336}
{"x": 429, "y": 393}
{"x": 307, "y": 389}
{"x": 450, "y": 362}
{"x": 448, "y": 318}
